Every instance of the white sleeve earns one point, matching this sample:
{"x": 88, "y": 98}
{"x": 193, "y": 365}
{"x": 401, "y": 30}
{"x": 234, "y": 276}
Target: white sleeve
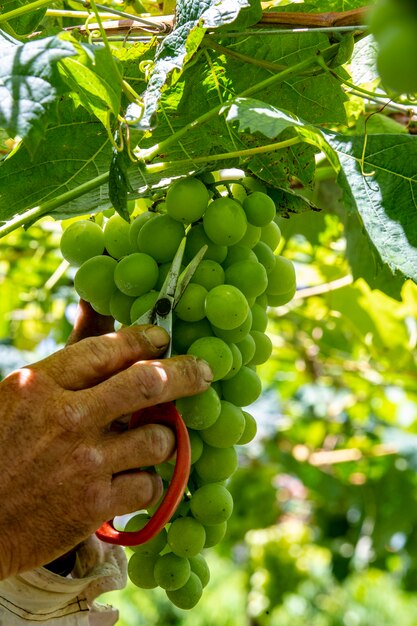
{"x": 42, "y": 597}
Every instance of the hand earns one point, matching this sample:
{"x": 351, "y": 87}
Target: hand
{"x": 63, "y": 471}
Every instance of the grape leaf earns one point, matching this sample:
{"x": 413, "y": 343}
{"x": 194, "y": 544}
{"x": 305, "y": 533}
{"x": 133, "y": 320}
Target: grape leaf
{"x": 385, "y": 197}
{"x": 193, "y": 17}
{"x": 28, "y": 85}
{"x": 24, "y": 24}
{"x": 363, "y": 62}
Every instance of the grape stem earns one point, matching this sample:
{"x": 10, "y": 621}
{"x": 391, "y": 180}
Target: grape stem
{"x": 27, "y": 8}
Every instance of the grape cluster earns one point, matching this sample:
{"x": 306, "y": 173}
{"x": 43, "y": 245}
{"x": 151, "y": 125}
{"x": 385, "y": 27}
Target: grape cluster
{"x": 221, "y": 317}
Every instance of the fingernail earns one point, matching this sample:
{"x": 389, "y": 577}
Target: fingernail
{"x": 205, "y": 370}
{"x": 157, "y": 336}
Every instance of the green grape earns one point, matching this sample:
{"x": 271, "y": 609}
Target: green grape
{"x": 237, "y": 253}
{"x": 397, "y": 55}
{"x": 237, "y": 361}
{"x": 227, "y": 429}
{"x": 214, "y": 534}
{"x": 259, "y": 318}
{"x": 186, "y": 536}
{"x": 141, "y": 570}
{"x": 136, "y": 274}
{"x": 191, "y": 306}
{"x": 188, "y": 595}
{"x": 226, "y": 306}
{"x": 94, "y": 280}
{"x": 253, "y": 184}
{"x": 201, "y": 410}
{"x": 120, "y": 305}
{"x": 137, "y": 224}
{"x": 171, "y": 571}
{"x": 116, "y": 237}
{"x": 165, "y": 471}
{"x": 160, "y": 238}
{"x": 199, "y": 566}
{"x": 208, "y": 274}
{"x": 196, "y": 444}
{"x": 281, "y": 299}
{"x": 282, "y": 278}
{"x": 186, "y": 200}
{"x": 236, "y": 334}
{"x": 265, "y": 256}
{"x": 263, "y": 348}
{"x": 142, "y": 304}
{"x": 250, "y": 429}
{"x": 225, "y": 221}
{"x": 153, "y": 546}
{"x": 216, "y": 352}
{"x": 271, "y": 235}
{"x": 101, "y": 306}
{"x": 197, "y": 238}
{"x": 242, "y": 389}
{"x": 382, "y": 15}
{"x": 81, "y": 241}
{"x": 251, "y": 237}
{"x": 249, "y": 277}
{"x": 185, "y": 333}
{"x": 216, "y": 464}
{"x": 247, "y": 348}
{"x": 262, "y": 300}
{"x": 238, "y": 192}
{"x": 259, "y": 208}
{"x": 211, "y": 504}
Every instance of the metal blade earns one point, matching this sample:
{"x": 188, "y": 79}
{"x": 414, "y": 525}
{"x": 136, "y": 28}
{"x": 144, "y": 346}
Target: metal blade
{"x": 187, "y": 274}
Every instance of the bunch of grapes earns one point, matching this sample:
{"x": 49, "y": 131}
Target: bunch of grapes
{"x": 221, "y": 317}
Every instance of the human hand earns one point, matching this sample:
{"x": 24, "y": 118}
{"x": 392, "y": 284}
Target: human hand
{"x": 64, "y": 472}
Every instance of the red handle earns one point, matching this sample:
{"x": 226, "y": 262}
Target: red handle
{"x": 160, "y": 414}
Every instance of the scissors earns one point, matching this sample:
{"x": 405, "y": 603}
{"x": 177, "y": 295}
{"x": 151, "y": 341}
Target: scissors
{"x": 166, "y": 413}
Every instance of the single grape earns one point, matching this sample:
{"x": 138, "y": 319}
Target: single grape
{"x": 247, "y": 348}
{"x": 263, "y": 348}
{"x": 211, "y": 504}
{"x": 259, "y": 208}
{"x": 265, "y": 256}
{"x": 120, "y": 305}
{"x": 216, "y": 464}
{"x": 171, "y": 571}
{"x": 242, "y": 389}
{"x": 397, "y": 55}
{"x": 136, "y": 226}
{"x": 94, "y": 280}
{"x": 196, "y": 444}
{"x": 197, "y": 238}
{"x": 186, "y": 536}
{"x": 262, "y": 300}
{"x": 251, "y": 236}
{"x": 216, "y": 352}
{"x": 142, "y": 304}
{"x": 227, "y": 429}
{"x": 225, "y": 221}
{"x": 208, "y": 274}
{"x": 259, "y": 318}
{"x": 116, "y": 237}
{"x": 214, "y": 534}
{"x": 185, "y": 333}
{"x": 153, "y": 546}
{"x": 236, "y": 334}
{"x": 199, "y": 566}
{"x": 136, "y": 274}
{"x": 250, "y": 429}
{"x": 141, "y": 570}
{"x": 186, "y": 200}
{"x": 249, "y": 277}
{"x": 237, "y": 361}
{"x": 271, "y": 235}
{"x": 201, "y": 410}
{"x": 282, "y": 278}
{"x": 239, "y": 252}
{"x": 283, "y": 298}
{"x": 81, "y": 241}
{"x": 160, "y": 238}
{"x": 191, "y": 306}
{"x": 188, "y": 595}
{"x": 226, "y": 306}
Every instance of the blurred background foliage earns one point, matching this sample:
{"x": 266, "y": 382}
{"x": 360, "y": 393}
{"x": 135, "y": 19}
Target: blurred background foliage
{"x": 324, "y": 530}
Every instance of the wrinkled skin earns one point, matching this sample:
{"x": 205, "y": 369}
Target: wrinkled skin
{"x": 64, "y": 470}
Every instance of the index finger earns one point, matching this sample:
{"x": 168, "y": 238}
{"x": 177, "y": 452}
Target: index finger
{"x": 92, "y": 360}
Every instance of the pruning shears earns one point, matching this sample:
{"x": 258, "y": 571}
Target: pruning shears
{"x": 161, "y": 315}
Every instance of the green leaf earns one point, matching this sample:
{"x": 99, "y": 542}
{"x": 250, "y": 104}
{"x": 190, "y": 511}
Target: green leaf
{"x": 29, "y": 86}
{"x": 256, "y": 116}
{"x": 363, "y": 63}
{"x": 385, "y": 197}
{"x": 95, "y": 82}
{"x": 193, "y": 17}
{"x": 75, "y": 150}
{"x": 24, "y": 24}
